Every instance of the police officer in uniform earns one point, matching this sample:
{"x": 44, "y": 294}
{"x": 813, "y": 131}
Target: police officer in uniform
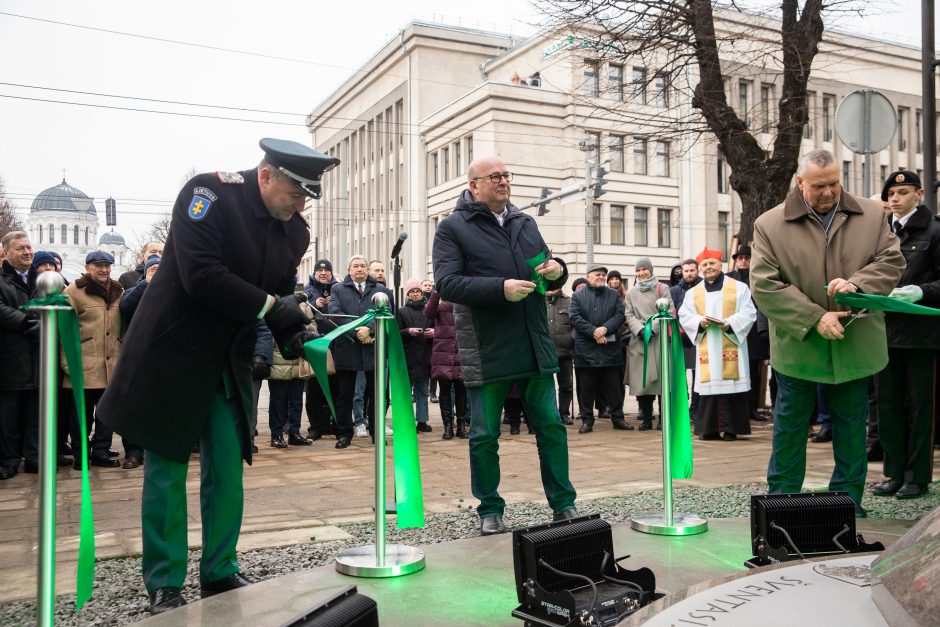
{"x": 231, "y": 256}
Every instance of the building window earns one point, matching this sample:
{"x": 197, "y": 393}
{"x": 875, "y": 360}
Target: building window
{"x": 661, "y": 160}
{"x": 638, "y": 86}
{"x": 458, "y": 165}
{"x": 918, "y": 124}
{"x": 639, "y": 155}
{"x": 828, "y": 110}
{"x": 846, "y": 172}
{"x": 902, "y": 128}
{"x": 722, "y": 172}
{"x": 640, "y": 221}
{"x": 616, "y": 153}
{"x": 594, "y": 147}
{"x": 65, "y": 234}
{"x": 884, "y": 173}
{"x": 664, "y": 228}
{"x": 615, "y": 81}
{"x": 469, "y": 150}
{"x": 660, "y": 91}
{"x": 52, "y": 234}
{"x": 596, "y": 222}
{"x": 86, "y": 236}
{"x": 810, "y": 112}
{"x": 41, "y": 229}
{"x": 447, "y": 163}
{"x": 617, "y": 225}
{"x": 744, "y": 101}
{"x": 435, "y": 169}
{"x": 75, "y": 235}
{"x": 589, "y": 86}
{"x": 766, "y": 107}
{"x": 723, "y": 232}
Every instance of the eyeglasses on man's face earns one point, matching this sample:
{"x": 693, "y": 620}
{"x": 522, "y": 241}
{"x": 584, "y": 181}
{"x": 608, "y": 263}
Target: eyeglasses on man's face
{"x": 496, "y": 177}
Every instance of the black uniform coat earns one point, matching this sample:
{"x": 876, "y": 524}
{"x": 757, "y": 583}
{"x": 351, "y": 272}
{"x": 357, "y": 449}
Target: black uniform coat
{"x": 473, "y": 255}
{"x": 196, "y": 318}
{"x": 590, "y": 308}
{"x": 920, "y": 245}
{"x": 349, "y": 354}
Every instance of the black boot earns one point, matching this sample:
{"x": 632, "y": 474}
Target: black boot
{"x": 462, "y": 428}
{"x": 448, "y": 429}
{"x": 587, "y": 425}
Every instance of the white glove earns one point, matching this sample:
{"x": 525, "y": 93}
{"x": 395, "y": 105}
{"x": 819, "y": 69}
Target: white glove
{"x": 908, "y": 293}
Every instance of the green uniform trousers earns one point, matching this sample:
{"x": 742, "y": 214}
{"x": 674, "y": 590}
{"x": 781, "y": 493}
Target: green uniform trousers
{"x": 221, "y": 498}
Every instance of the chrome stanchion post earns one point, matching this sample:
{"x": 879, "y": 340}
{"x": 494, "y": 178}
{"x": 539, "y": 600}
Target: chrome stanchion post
{"x": 667, "y": 523}
{"x": 380, "y": 559}
{"x": 47, "y": 284}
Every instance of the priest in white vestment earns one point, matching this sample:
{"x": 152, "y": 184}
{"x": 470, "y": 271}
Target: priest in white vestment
{"x": 717, "y": 315}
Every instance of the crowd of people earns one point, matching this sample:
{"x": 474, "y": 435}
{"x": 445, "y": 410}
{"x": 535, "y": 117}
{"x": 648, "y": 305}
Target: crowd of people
{"x": 493, "y": 338}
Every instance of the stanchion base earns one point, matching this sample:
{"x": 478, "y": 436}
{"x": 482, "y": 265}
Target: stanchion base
{"x": 682, "y": 524}
{"x": 360, "y": 561}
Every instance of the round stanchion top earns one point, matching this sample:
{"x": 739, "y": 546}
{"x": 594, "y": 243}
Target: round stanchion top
{"x": 49, "y": 284}
{"x": 380, "y": 299}
{"x": 662, "y": 304}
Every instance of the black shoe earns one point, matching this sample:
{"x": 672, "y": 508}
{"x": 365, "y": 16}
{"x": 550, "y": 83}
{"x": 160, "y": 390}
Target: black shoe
{"x": 566, "y": 420}
{"x": 513, "y": 429}
{"x": 448, "y": 430}
{"x": 104, "y": 462}
{"x": 277, "y": 441}
{"x": 646, "y": 426}
{"x": 619, "y": 423}
{"x": 756, "y": 417}
{"x": 586, "y": 426}
{"x": 254, "y": 448}
{"x": 8, "y": 472}
{"x": 462, "y": 431}
{"x": 887, "y": 488}
{"x": 709, "y": 436}
{"x": 342, "y": 442}
{"x": 491, "y": 525}
{"x": 911, "y": 491}
{"x": 132, "y": 462}
{"x": 165, "y": 599}
{"x": 424, "y": 427}
{"x": 295, "y": 439}
{"x": 224, "y": 585}
{"x": 313, "y": 436}
{"x": 729, "y": 437}
{"x": 432, "y": 398}
{"x": 824, "y": 435}
{"x": 565, "y": 515}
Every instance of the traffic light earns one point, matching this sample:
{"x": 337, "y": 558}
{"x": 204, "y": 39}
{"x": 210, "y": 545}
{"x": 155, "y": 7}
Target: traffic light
{"x": 110, "y": 208}
{"x": 599, "y": 181}
{"x": 543, "y": 206}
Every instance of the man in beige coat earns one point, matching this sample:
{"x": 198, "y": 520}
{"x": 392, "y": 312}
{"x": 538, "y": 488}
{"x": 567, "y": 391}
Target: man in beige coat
{"x": 819, "y": 242}
{"x": 96, "y": 299}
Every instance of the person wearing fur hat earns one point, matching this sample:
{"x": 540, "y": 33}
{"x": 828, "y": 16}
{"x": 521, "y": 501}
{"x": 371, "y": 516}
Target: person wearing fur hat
{"x": 717, "y": 315}
{"x": 417, "y": 337}
{"x": 640, "y": 305}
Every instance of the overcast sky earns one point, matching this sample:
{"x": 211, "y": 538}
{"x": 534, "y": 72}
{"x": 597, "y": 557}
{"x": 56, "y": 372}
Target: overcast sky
{"x": 141, "y": 158}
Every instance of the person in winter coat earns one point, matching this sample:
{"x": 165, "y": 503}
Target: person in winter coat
{"x": 318, "y": 291}
{"x": 820, "y": 236}
{"x": 906, "y": 403}
{"x": 640, "y": 305}
{"x": 445, "y": 367}
{"x": 557, "y": 304}
{"x": 417, "y": 336}
{"x": 597, "y": 314}
{"x": 486, "y": 255}
{"x": 689, "y": 278}
{"x": 132, "y": 277}
{"x": 758, "y": 344}
{"x": 285, "y": 405}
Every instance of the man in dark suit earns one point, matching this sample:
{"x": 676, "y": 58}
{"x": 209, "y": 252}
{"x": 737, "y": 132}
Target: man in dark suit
{"x": 231, "y": 257}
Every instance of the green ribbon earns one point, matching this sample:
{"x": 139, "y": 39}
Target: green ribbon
{"x": 883, "y": 303}
{"x": 67, "y": 325}
{"x": 408, "y": 493}
{"x": 680, "y": 440}
{"x": 541, "y": 285}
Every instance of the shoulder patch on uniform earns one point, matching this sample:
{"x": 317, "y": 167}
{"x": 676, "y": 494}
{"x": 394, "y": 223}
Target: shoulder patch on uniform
{"x": 199, "y": 207}
{"x": 205, "y": 191}
{"x": 232, "y": 178}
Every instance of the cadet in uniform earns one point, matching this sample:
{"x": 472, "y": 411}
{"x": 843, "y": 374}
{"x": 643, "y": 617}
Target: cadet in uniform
{"x": 231, "y": 257}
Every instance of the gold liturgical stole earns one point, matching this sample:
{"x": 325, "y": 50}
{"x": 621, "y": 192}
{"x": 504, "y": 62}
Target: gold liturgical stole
{"x": 729, "y": 350}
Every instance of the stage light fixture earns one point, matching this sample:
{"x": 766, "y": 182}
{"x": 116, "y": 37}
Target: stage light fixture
{"x": 345, "y": 609}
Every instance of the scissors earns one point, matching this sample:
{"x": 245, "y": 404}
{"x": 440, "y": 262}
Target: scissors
{"x": 858, "y": 313}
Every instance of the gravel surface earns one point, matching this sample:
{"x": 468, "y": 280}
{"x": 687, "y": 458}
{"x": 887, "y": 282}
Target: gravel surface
{"x": 120, "y": 598}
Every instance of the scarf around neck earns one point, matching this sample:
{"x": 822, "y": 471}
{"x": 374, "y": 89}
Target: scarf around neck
{"x": 648, "y": 284}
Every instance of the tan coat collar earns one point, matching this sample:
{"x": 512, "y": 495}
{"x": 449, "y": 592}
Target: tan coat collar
{"x": 794, "y": 208}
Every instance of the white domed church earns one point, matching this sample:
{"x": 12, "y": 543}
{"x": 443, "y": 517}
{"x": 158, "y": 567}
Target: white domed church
{"x": 63, "y": 219}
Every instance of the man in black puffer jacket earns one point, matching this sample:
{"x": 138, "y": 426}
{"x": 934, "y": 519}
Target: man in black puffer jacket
{"x": 486, "y": 255}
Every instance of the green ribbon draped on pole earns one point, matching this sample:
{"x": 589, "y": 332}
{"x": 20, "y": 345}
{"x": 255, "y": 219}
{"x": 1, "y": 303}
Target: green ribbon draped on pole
{"x": 408, "y": 494}
{"x": 67, "y": 325}
{"x": 680, "y": 442}
{"x": 883, "y": 303}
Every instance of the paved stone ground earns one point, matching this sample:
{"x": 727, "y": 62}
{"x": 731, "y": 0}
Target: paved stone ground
{"x": 300, "y": 493}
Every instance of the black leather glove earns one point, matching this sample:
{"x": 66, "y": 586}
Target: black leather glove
{"x": 294, "y": 347}
{"x": 285, "y": 313}
{"x": 260, "y": 368}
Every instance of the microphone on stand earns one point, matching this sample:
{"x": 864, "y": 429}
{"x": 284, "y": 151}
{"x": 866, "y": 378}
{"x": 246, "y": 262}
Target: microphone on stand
{"x": 396, "y": 249}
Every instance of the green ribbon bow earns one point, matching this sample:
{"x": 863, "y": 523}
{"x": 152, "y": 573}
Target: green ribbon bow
{"x": 680, "y": 441}
{"x": 67, "y": 325}
{"x": 408, "y": 494}
{"x": 883, "y": 303}
{"x": 541, "y": 284}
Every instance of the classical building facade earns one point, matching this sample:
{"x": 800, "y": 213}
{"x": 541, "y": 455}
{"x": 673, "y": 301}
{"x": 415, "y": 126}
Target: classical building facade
{"x": 408, "y": 123}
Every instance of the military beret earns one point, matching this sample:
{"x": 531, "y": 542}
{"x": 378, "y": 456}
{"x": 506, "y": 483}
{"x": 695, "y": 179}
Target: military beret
{"x": 302, "y": 165}
{"x": 99, "y": 256}
{"x": 898, "y": 178}
{"x": 596, "y": 266}
{"x": 323, "y": 264}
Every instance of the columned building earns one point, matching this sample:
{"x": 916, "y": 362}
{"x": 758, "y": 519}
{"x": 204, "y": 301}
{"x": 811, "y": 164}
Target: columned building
{"x": 408, "y": 123}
